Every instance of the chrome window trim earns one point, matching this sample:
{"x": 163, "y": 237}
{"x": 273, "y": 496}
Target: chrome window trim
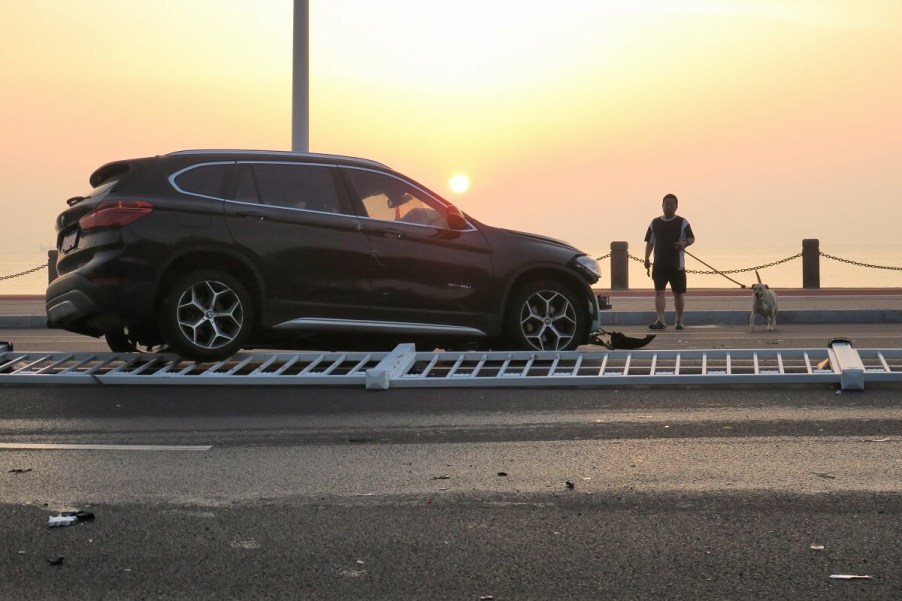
{"x": 173, "y": 177}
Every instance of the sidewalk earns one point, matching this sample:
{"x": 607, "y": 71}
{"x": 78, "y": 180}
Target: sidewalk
{"x": 636, "y": 307}
{"x": 732, "y": 306}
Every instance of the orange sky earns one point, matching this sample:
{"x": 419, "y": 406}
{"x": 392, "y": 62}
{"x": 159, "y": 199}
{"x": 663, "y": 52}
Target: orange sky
{"x": 772, "y": 120}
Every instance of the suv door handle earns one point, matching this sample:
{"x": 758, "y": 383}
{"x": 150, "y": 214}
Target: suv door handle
{"x": 253, "y": 214}
{"x": 390, "y": 233}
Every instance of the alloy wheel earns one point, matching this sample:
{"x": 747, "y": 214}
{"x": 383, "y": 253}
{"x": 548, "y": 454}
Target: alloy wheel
{"x": 210, "y": 314}
{"x": 548, "y": 320}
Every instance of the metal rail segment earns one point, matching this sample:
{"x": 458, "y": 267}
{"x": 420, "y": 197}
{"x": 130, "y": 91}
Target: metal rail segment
{"x": 405, "y": 367}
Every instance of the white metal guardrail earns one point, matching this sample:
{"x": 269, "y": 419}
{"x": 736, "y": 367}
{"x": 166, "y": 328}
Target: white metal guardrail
{"x": 161, "y": 369}
{"x": 404, "y": 367}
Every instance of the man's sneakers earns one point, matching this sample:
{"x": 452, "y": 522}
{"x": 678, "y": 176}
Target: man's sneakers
{"x": 660, "y": 325}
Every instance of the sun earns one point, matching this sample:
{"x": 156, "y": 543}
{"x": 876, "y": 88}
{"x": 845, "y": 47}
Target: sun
{"x": 459, "y": 183}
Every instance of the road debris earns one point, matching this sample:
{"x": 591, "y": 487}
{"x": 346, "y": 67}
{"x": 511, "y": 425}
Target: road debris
{"x": 67, "y": 518}
{"x": 19, "y": 470}
{"x": 58, "y": 521}
{"x": 849, "y": 577}
{"x": 570, "y": 485}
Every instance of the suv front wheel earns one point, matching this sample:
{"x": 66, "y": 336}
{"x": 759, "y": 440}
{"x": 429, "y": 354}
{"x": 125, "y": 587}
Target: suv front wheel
{"x": 206, "y": 316}
{"x": 546, "y": 316}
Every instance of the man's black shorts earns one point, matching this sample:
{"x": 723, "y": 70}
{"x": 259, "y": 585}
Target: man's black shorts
{"x": 675, "y": 277}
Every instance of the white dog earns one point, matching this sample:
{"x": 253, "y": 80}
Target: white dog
{"x": 764, "y": 303}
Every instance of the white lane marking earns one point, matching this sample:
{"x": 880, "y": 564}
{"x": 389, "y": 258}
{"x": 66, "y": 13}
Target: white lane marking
{"x": 102, "y": 447}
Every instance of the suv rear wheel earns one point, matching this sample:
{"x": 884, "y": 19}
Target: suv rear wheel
{"x": 206, "y": 315}
{"x": 546, "y": 315}
{"x": 120, "y": 342}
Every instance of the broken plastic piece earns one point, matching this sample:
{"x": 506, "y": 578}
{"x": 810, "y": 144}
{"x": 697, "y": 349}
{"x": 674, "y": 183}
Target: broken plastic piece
{"x": 849, "y": 577}
{"x": 57, "y": 521}
{"x": 67, "y": 518}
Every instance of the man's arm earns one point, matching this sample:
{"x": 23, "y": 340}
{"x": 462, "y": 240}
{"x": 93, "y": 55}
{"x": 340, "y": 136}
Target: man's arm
{"x": 687, "y": 238}
{"x": 648, "y": 248}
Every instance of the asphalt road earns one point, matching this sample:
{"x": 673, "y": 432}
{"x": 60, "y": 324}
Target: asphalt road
{"x": 745, "y": 492}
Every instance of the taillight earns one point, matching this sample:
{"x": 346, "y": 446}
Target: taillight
{"x": 115, "y": 213}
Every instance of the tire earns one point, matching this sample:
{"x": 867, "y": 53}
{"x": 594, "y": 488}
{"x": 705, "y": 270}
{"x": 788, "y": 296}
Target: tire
{"x": 128, "y": 341}
{"x": 206, "y": 315}
{"x": 120, "y": 342}
{"x": 546, "y": 316}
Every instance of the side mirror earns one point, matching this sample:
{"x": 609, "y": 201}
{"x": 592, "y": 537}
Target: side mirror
{"x": 456, "y": 219}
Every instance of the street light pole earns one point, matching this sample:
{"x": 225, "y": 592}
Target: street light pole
{"x": 300, "y": 88}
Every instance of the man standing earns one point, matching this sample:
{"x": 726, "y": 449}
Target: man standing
{"x": 668, "y": 235}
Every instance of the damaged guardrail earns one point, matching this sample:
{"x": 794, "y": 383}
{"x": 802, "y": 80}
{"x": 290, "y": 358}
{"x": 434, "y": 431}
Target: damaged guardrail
{"x": 405, "y": 367}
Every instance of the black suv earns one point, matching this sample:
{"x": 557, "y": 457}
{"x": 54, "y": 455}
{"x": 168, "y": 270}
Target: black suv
{"x": 207, "y": 252}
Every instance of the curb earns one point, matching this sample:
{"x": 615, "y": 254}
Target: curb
{"x": 632, "y": 318}
{"x": 20, "y": 322}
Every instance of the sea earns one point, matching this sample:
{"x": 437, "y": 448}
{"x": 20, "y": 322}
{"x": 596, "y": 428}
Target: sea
{"x": 848, "y": 266}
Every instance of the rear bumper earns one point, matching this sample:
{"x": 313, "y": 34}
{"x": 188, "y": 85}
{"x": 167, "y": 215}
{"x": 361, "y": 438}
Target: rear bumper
{"x": 75, "y": 303}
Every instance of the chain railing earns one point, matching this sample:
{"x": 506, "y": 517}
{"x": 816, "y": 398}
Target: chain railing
{"x": 620, "y": 257}
{"x": 729, "y": 271}
{"x": 21, "y": 273}
{"x": 762, "y": 266}
{"x": 858, "y": 263}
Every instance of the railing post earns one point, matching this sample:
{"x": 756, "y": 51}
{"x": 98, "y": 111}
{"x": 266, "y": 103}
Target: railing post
{"x": 620, "y": 278}
{"x": 51, "y": 265}
{"x": 811, "y": 269}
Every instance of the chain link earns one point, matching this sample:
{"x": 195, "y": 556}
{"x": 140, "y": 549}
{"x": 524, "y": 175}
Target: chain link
{"x": 15, "y": 275}
{"x": 850, "y": 262}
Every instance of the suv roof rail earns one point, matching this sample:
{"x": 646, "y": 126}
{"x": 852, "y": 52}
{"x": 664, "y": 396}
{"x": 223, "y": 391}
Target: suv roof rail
{"x": 286, "y": 153}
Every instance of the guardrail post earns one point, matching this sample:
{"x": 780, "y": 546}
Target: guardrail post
{"x": 849, "y": 364}
{"x": 620, "y": 278}
{"x": 394, "y": 364}
{"x": 51, "y": 265}
{"x": 811, "y": 269}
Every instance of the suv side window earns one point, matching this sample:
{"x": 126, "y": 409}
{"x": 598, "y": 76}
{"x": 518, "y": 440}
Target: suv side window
{"x": 203, "y": 180}
{"x": 246, "y": 187}
{"x": 293, "y": 186}
{"x": 390, "y": 199}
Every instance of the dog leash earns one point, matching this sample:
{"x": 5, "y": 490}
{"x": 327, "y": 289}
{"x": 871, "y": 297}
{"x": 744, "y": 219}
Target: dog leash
{"x": 743, "y": 286}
